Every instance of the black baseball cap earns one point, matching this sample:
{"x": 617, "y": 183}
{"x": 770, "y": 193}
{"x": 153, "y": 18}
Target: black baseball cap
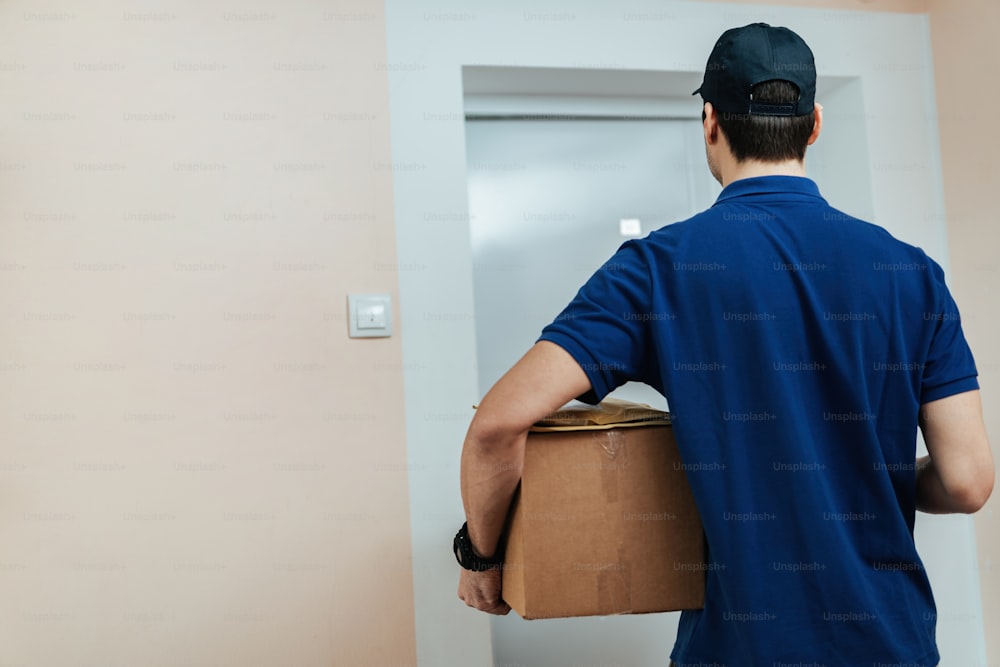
{"x": 755, "y": 53}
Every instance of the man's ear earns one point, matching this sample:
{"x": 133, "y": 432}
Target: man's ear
{"x": 817, "y": 124}
{"x": 710, "y": 124}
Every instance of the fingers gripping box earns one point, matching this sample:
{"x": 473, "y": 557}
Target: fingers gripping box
{"x": 604, "y": 521}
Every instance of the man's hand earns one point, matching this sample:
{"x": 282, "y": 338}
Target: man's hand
{"x": 481, "y": 590}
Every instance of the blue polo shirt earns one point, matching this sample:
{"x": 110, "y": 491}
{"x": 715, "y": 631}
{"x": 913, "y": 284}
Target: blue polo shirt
{"x": 794, "y": 345}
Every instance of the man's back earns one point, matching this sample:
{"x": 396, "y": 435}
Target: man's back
{"x": 798, "y": 349}
{"x": 794, "y": 345}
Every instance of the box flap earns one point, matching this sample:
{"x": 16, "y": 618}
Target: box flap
{"x": 610, "y": 413}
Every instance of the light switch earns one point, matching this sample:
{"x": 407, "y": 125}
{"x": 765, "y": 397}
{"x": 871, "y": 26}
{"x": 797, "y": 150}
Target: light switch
{"x": 369, "y": 315}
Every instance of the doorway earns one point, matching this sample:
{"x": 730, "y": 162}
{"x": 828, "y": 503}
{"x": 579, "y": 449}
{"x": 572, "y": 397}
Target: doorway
{"x": 551, "y": 197}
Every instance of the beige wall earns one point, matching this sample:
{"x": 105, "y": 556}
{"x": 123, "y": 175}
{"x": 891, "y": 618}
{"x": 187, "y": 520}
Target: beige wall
{"x": 198, "y": 466}
{"x": 963, "y": 36}
{"x": 907, "y": 6}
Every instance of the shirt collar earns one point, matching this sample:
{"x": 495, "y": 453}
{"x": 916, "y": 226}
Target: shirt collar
{"x": 797, "y": 186}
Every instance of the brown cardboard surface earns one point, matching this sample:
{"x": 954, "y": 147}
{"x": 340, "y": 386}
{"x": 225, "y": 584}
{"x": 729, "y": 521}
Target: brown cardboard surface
{"x": 604, "y": 523}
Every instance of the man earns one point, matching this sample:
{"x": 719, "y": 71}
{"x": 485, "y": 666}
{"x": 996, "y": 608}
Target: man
{"x": 829, "y": 341}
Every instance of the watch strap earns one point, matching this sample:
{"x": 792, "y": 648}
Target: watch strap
{"x": 467, "y": 556}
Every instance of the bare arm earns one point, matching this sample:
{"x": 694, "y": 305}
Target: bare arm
{"x": 957, "y": 475}
{"x": 541, "y": 382}
{"x": 493, "y": 455}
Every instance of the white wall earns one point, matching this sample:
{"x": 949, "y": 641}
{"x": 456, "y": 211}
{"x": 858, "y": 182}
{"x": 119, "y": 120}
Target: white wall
{"x": 428, "y": 44}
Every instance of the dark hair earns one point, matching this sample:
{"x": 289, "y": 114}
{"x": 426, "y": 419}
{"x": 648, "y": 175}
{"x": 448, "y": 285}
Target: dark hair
{"x": 768, "y": 138}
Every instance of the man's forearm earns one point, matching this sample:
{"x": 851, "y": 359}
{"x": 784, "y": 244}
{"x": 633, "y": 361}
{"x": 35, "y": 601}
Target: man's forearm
{"x": 491, "y": 470}
{"x": 493, "y": 455}
{"x": 932, "y": 496}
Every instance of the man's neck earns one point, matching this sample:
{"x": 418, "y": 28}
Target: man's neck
{"x": 737, "y": 171}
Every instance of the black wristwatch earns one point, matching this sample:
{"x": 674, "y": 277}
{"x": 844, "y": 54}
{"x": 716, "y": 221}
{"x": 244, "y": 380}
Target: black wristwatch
{"x": 467, "y": 556}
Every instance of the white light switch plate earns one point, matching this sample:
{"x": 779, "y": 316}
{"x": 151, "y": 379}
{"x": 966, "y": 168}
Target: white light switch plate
{"x": 369, "y": 315}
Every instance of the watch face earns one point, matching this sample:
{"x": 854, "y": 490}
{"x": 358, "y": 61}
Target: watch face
{"x": 461, "y": 548}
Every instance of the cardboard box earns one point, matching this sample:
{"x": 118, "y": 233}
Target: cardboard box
{"x": 604, "y": 521}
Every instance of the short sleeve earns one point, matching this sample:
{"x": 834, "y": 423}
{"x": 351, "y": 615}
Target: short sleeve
{"x": 606, "y": 326}
{"x": 949, "y": 368}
